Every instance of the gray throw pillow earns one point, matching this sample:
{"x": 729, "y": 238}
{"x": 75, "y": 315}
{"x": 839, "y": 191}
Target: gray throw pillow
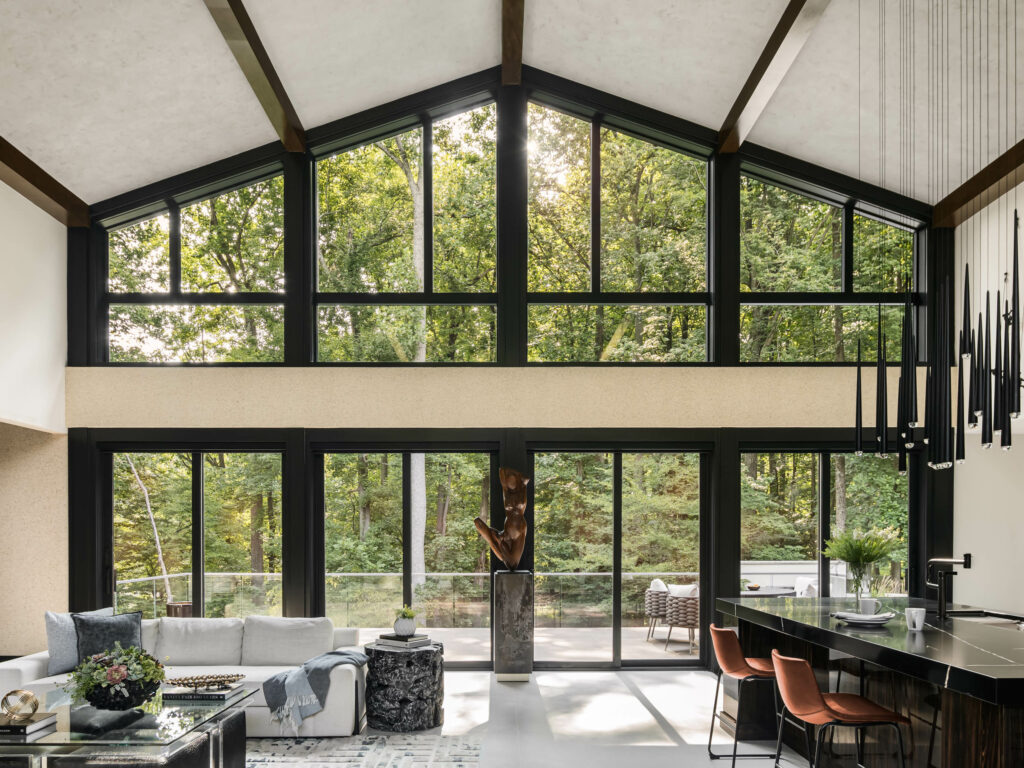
{"x": 62, "y": 640}
{"x": 99, "y": 633}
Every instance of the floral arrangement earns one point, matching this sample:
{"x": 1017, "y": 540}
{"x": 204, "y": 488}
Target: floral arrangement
{"x": 405, "y": 612}
{"x": 115, "y": 672}
{"x": 859, "y": 549}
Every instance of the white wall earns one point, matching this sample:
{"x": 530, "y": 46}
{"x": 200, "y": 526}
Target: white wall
{"x": 33, "y": 311}
{"x": 988, "y": 498}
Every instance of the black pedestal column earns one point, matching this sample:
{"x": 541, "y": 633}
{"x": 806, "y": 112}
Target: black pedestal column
{"x": 513, "y": 625}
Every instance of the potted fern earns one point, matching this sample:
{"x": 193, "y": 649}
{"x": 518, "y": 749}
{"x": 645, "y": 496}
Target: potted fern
{"x": 859, "y": 550}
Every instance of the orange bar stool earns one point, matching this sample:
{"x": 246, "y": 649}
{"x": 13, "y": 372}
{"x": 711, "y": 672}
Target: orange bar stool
{"x": 803, "y": 700}
{"x": 732, "y": 663}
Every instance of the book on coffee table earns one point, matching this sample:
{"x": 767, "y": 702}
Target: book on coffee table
{"x": 25, "y": 726}
{"x": 179, "y": 693}
{"x": 402, "y": 641}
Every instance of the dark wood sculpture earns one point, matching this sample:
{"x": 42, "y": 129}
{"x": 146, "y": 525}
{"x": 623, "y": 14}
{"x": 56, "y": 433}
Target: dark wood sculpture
{"x": 508, "y": 544}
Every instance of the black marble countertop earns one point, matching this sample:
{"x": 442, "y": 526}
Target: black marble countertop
{"x": 979, "y": 655}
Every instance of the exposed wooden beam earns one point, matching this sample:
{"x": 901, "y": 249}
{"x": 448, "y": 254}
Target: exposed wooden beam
{"x": 240, "y": 34}
{"x": 512, "y": 41}
{"x": 27, "y": 178}
{"x": 781, "y": 50}
{"x": 994, "y": 180}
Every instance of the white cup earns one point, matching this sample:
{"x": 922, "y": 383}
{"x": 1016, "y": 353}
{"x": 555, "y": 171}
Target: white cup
{"x": 915, "y": 619}
{"x": 869, "y": 605}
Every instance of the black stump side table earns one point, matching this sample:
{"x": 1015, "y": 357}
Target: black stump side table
{"x": 404, "y": 687}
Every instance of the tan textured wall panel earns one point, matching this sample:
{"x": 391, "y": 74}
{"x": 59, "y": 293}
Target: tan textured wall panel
{"x": 471, "y": 397}
{"x": 34, "y": 539}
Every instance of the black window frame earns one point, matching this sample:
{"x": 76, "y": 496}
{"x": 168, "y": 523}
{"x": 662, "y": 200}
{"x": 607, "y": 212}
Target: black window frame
{"x": 88, "y": 300}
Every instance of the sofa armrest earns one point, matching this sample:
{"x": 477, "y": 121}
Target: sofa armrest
{"x": 345, "y": 636}
{"x": 17, "y": 673}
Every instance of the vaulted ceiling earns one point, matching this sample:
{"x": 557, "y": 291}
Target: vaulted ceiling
{"x": 108, "y": 95}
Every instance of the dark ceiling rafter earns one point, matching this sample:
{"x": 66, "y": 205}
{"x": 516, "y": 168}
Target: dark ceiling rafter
{"x": 512, "y": 12}
{"x": 32, "y": 182}
{"x": 240, "y": 34}
{"x": 991, "y": 182}
{"x": 781, "y": 50}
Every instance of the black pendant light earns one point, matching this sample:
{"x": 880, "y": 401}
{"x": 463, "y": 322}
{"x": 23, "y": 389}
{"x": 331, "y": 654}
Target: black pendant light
{"x": 972, "y": 400}
{"x": 908, "y": 382}
{"x": 997, "y": 372}
{"x": 979, "y": 401}
{"x": 858, "y": 439}
{"x": 960, "y": 439}
{"x": 1014, "y": 364}
{"x": 986, "y": 379}
{"x": 966, "y": 347}
{"x": 1005, "y": 439}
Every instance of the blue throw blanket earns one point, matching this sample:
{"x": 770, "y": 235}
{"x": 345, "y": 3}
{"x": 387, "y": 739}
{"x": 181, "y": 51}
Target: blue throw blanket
{"x": 300, "y": 693}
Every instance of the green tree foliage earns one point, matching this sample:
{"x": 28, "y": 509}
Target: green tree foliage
{"x": 653, "y": 232}
{"x": 230, "y": 243}
{"x": 372, "y": 231}
{"x": 789, "y": 242}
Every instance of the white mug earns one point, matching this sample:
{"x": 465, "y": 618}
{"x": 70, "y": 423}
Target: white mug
{"x": 915, "y": 619}
{"x": 869, "y": 605}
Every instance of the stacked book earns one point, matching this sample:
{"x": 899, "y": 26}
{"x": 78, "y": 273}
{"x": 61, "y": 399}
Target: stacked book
{"x": 181, "y": 693}
{"x": 23, "y": 726}
{"x": 392, "y": 640}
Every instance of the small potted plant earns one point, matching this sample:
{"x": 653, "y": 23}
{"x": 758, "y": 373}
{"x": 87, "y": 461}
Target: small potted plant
{"x": 120, "y": 678}
{"x": 859, "y": 549}
{"x": 405, "y": 623}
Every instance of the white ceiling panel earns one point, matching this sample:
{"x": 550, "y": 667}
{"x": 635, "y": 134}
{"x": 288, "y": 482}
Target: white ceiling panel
{"x": 108, "y": 95}
{"x": 917, "y": 139}
{"x": 339, "y": 57}
{"x": 688, "y": 59}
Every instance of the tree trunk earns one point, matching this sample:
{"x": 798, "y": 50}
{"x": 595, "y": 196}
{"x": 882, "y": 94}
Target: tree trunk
{"x": 256, "y": 547}
{"x": 418, "y": 516}
{"x": 444, "y": 502}
{"x": 152, "y": 522}
{"x": 364, "y": 507}
{"x": 272, "y": 562}
{"x": 839, "y": 475}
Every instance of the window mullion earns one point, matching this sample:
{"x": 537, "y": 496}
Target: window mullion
{"x": 847, "y": 237}
{"x": 174, "y": 243}
{"x": 824, "y": 522}
{"x": 406, "y": 528}
{"x": 198, "y": 538}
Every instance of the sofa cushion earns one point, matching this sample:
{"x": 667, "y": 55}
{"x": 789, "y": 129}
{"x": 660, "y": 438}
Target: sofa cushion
{"x": 208, "y": 642}
{"x": 97, "y": 634}
{"x": 62, "y": 640}
{"x": 683, "y": 590}
{"x": 150, "y": 632}
{"x": 271, "y": 640}
{"x": 345, "y": 637}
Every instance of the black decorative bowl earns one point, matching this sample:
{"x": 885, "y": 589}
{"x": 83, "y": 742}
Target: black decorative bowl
{"x": 139, "y": 692}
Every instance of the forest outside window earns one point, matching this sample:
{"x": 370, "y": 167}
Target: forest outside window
{"x": 407, "y": 251}
{"x": 813, "y": 275}
{"x": 782, "y": 525}
{"x": 157, "y": 523}
{"x": 202, "y": 282}
{"x": 617, "y": 254}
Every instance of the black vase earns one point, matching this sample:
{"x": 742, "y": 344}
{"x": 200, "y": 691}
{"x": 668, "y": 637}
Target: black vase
{"x": 139, "y": 692}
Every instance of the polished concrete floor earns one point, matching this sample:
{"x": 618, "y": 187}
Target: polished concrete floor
{"x": 635, "y": 719}
{"x": 590, "y": 644}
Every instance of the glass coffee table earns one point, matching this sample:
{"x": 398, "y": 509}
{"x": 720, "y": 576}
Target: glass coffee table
{"x": 161, "y": 733}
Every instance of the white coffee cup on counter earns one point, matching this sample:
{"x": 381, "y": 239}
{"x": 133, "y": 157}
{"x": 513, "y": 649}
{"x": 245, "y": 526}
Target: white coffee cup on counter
{"x": 869, "y": 605}
{"x": 915, "y": 619}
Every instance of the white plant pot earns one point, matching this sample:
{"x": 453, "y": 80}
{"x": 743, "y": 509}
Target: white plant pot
{"x": 405, "y": 627}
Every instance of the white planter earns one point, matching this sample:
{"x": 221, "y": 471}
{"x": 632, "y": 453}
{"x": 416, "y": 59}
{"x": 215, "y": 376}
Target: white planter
{"x": 405, "y": 627}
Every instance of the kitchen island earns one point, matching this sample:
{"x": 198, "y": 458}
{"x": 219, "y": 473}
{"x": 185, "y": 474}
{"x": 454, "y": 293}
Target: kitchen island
{"x": 961, "y": 681}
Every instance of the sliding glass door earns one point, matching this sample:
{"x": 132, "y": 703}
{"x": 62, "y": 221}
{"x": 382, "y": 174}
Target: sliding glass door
{"x": 200, "y": 527}
{"x": 398, "y": 530}
{"x": 609, "y": 528}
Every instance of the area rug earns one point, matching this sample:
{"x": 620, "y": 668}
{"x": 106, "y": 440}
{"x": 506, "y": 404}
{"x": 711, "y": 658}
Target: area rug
{"x": 370, "y": 751}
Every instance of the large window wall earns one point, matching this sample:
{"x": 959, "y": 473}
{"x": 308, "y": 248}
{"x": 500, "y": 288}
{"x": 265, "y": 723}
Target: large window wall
{"x": 352, "y": 524}
{"x": 625, "y": 239}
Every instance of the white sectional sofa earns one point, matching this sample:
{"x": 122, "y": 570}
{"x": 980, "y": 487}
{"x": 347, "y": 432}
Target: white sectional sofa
{"x": 257, "y": 647}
